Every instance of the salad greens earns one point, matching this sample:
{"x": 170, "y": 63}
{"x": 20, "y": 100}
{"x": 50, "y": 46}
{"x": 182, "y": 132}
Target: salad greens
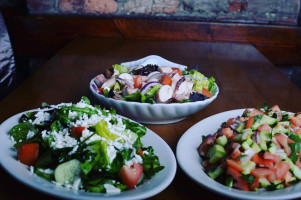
{"x": 81, "y": 146}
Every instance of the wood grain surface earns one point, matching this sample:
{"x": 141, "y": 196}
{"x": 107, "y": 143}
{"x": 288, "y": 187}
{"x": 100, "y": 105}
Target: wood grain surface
{"x": 245, "y": 78}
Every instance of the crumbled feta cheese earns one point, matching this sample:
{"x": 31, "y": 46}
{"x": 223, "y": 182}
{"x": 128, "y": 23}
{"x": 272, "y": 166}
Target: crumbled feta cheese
{"x": 72, "y": 114}
{"x": 40, "y": 117}
{"x": 30, "y": 134}
{"x": 111, "y": 189}
{"x": 111, "y": 151}
{"x": 46, "y": 171}
{"x": 73, "y": 150}
{"x": 145, "y": 152}
{"x": 62, "y": 139}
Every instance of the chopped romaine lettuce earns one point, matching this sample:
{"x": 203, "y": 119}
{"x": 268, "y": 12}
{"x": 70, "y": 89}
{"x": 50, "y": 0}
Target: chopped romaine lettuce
{"x": 121, "y": 68}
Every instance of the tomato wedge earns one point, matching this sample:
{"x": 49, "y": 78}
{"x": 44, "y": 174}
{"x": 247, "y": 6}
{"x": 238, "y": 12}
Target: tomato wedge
{"x": 77, "y": 131}
{"x": 178, "y": 70}
{"x": 234, "y": 173}
{"x": 206, "y": 93}
{"x": 255, "y": 112}
{"x": 257, "y": 159}
{"x": 138, "y": 81}
{"x": 264, "y": 173}
{"x": 276, "y": 109}
{"x": 230, "y": 121}
{"x": 235, "y": 165}
{"x": 281, "y": 170}
{"x": 227, "y": 132}
{"x": 250, "y": 122}
{"x": 28, "y": 154}
{"x": 264, "y": 127}
{"x": 166, "y": 80}
{"x": 130, "y": 175}
{"x": 267, "y": 156}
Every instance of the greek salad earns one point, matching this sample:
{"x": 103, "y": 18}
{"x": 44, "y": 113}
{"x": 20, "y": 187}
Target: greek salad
{"x": 259, "y": 150}
{"x": 84, "y": 147}
{"x": 154, "y": 84}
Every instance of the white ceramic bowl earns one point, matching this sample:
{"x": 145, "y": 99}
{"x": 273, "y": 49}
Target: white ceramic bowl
{"x": 190, "y": 162}
{"x": 153, "y": 113}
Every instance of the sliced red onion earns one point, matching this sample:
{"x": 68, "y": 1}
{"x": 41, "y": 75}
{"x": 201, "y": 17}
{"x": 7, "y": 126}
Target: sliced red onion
{"x": 249, "y": 154}
{"x": 233, "y": 126}
{"x": 145, "y": 88}
{"x": 128, "y": 83}
{"x": 257, "y": 138}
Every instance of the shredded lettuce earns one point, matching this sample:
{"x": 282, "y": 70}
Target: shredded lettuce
{"x": 120, "y": 68}
{"x": 196, "y": 75}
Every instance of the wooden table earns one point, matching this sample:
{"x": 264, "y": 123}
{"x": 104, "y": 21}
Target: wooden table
{"x": 244, "y": 76}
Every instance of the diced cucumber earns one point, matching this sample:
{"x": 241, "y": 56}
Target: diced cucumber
{"x": 263, "y": 145}
{"x": 249, "y": 141}
{"x": 272, "y": 149}
{"x": 246, "y": 133}
{"x": 256, "y": 147}
{"x": 217, "y": 153}
{"x": 276, "y": 182}
{"x": 222, "y": 140}
{"x": 297, "y": 172}
{"x": 263, "y": 182}
{"x": 240, "y": 127}
{"x": 248, "y": 167}
{"x": 214, "y": 174}
{"x": 286, "y": 123}
{"x": 280, "y": 186}
{"x": 265, "y": 135}
{"x": 229, "y": 181}
{"x": 66, "y": 172}
{"x": 256, "y": 125}
{"x": 280, "y": 129}
{"x": 245, "y": 146}
{"x": 268, "y": 120}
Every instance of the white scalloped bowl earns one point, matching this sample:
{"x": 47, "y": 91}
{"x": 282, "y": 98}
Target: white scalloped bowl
{"x": 153, "y": 113}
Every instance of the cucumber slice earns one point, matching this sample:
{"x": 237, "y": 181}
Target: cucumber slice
{"x": 66, "y": 172}
{"x": 217, "y": 153}
{"x": 214, "y": 174}
{"x": 263, "y": 182}
{"x": 268, "y": 120}
{"x": 245, "y": 146}
{"x": 229, "y": 181}
{"x": 246, "y": 133}
{"x": 263, "y": 145}
{"x": 265, "y": 135}
{"x": 249, "y": 141}
{"x": 256, "y": 147}
{"x": 248, "y": 167}
{"x": 222, "y": 140}
{"x": 297, "y": 172}
{"x": 240, "y": 127}
{"x": 256, "y": 125}
{"x": 280, "y": 129}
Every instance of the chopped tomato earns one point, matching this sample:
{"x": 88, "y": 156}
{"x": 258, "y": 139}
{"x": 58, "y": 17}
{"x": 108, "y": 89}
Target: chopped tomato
{"x": 230, "y": 121}
{"x": 235, "y": 154}
{"x": 242, "y": 184}
{"x": 178, "y": 70}
{"x": 257, "y": 159}
{"x": 206, "y": 93}
{"x": 228, "y": 132}
{"x": 243, "y": 119}
{"x": 28, "y": 154}
{"x": 298, "y": 131}
{"x": 264, "y": 173}
{"x": 283, "y": 141}
{"x": 271, "y": 157}
{"x": 296, "y": 121}
{"x": 77, "y": 131}
{"x": 264, "y": 127}
{"x": 234, "y": 173}
{"x": 281, "y": 170}
{"x": 138, "y": 81}
{"x": 255, "y": 184}
{"x": 269, "y": 164}
{"x": 101, "y": 90}
{"x": 130, "y": 175}
{"x": 250, "y": 122}
{"x": 255, "y": 112}
{"x": 276, "y": 109}
{"x": 235, "y": 165}
{"x": 166, "y": 80}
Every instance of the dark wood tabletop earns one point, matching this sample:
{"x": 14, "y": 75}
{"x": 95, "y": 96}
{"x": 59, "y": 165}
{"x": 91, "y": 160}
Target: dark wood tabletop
{"x": 245, "y": 78}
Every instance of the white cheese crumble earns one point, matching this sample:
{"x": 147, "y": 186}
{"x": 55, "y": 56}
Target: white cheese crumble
{"x": 30, "y": 134}
{"x": 111, "y": 189}
{"x": 72, "y": 114}
{"x": 62, "y": 139}
{"x": 111, "y": 151}
{"x": 41, "y": 116}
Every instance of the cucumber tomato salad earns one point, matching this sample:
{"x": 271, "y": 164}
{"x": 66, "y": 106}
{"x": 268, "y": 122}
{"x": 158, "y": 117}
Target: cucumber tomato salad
{"x": 84, "y": 147}
{"x": 153, "y": 84}
{"x": 259, "y": 150}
